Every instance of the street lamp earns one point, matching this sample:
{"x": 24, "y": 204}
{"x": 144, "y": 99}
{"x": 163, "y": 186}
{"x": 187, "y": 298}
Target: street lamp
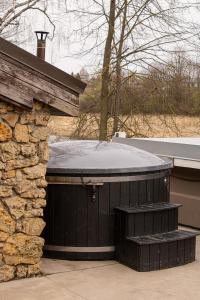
{"x": 41, "y": 43}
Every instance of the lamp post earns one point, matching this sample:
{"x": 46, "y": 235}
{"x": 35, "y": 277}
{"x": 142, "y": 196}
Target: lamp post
{"x": 41, "y": 43}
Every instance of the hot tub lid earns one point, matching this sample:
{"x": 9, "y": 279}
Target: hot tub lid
{"x": 95, "y": 157}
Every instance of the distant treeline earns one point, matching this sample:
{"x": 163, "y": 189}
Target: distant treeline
{"x": 173, "y": 87}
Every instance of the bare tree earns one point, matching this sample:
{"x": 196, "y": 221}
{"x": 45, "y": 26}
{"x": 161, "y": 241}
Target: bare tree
{"x": 105, "y": 91}
{"x": 14, "y": 17}
{"x": 148, "y": 30}
{"x": 139, "y": 33}
{"x": 12, "y": 10}
{"x": 119, "y": 52}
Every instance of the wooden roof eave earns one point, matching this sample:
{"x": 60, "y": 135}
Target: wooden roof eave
{"x": 41, "y": 67}
{"x": 21, "y": 86}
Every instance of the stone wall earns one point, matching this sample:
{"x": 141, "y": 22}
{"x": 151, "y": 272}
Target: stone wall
{"x": 23, "y": 159}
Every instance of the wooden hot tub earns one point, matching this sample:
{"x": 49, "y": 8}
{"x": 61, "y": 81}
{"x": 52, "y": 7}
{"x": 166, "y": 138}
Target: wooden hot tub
{"x": 87, "y": 180}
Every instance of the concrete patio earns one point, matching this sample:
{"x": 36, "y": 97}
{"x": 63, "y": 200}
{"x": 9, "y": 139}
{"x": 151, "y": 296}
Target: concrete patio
{"x": 107, "y": 280}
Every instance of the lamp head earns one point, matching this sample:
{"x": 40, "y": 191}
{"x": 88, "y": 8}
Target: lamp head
{"x": 41, "y": 35}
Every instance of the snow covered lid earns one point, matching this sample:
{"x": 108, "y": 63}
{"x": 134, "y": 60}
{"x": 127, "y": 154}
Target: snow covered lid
{"x": 95, "y": 157}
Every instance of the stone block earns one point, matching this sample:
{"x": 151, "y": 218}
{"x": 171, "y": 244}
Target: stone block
{"x": 3, "y": 236}
{"x": 8, "y": 182}
{"x": 2, "y": 166}
{"x": 19, "y": 174}
{"x": 33, "y": 139}
{"x": 40, "y": 133}
{"x": 18, "y": 225}
{"x": 15, "y": 260}
{"x": 42, "y": 118}
{"x": 27, "y": 118}
{"x": 35, "y": 172}
{"x": 5, "y": 191}
{"x": 21, "y": 271}
{"x": 22, "y": 249}
{"x": 7, "y": 273}
{"x": 34, "y": 270}
{"x": 33, "y": 226}
{"x": 38, "y": 203}
{"x": 28, "y": 150}
{"x": 21, "y": 133}
{"x": 11, "y": 118}
{"x": 16, "y": 206}
{"x": 23, "y": 185}
{"x": 9, "y": 151}
{"x": 5, "y": 132}
{"x": 8, "y": 174}
{"x": 7, "y": 224}
{"x": 36, "y": 212}
{"x": 34, "y": 193}
{"x": 43, "y": 152}
{"x": 22, "y": 163}
{"x": 41, "y": 183}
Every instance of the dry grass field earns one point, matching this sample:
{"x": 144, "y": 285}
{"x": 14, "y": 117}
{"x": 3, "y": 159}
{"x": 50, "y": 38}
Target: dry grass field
{"x": 86, "y": 126}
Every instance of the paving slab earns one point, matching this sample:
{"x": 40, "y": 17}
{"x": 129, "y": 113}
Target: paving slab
{"x": 35, "y": 289}
{"x": 106, "y": 280}
{"x": 54, "y": 266}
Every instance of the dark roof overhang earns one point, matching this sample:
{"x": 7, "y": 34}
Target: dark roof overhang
{"x": 25, "y": 77}
{"x": 41, "y": 66}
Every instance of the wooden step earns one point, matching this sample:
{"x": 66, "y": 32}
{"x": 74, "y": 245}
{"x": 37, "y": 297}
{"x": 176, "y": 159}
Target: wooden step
{"x": 146, "y": 219}
{"x": 159, "y": 251}
{"x": 148, "y": 207}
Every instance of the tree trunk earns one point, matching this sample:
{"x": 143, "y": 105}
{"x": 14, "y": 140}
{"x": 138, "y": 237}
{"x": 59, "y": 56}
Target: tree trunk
{"x": 104, "y": 115}
{"x": 119, "y": 71}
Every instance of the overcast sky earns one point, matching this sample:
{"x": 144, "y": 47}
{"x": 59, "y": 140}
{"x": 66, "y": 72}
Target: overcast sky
{"x": 61, "y": 50}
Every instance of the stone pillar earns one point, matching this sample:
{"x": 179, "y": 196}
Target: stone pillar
{"x": 23, "y": 160}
